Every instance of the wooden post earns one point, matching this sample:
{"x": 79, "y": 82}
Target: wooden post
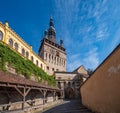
{"x": 54, "y": 96}
{"x": 23, "y": 94}
{"x": 23, "y": 104}
{"x": 44, "y": 96}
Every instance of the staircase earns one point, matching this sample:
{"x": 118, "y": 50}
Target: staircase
{"x": 69, "y": 106}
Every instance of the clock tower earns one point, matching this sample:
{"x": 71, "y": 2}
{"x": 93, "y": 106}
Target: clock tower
{"x": 53, "y": 54}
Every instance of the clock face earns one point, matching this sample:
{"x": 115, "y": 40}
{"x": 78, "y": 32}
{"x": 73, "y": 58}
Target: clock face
{"x": 1, "y": 35}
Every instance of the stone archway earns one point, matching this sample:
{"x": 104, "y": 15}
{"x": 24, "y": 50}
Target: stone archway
{"x": 69, "y": 93}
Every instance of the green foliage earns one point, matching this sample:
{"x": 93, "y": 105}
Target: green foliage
{"x": 22, "y": 65}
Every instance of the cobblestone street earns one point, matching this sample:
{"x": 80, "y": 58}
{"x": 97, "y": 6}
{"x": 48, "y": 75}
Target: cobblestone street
{"x": 69, "y": 106}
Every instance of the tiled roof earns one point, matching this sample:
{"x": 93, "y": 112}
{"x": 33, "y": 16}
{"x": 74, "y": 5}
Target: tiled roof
{"x": 16, "y": 79}
{"x": 82, "y": 74}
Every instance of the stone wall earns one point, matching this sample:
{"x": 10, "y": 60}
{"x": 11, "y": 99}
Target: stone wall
{"x": 69, "y": 82}
{"x": 101, "y": 92}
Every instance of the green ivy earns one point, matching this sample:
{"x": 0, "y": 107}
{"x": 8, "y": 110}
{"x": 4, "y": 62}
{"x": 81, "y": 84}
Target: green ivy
{"x": 22, "y": 65}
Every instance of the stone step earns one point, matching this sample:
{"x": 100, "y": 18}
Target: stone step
{"x": 72, "y": 106}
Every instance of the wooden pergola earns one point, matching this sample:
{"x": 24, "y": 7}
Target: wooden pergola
{"x": 11, "y": 84}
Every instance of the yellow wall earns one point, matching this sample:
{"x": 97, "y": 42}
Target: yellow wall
{"x": 8, "y": 34}
{"x": 101, "y": 92}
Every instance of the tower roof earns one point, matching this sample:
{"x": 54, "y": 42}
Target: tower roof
{"x": 51, "y": 31}
{"x": 51, "y": 21}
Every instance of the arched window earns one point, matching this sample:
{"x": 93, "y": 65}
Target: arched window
{"x": 60, "y": 61}
{"x": 41, "y": 66}
{"x": 55, "y": 60}
{"x": 27, "y": 54}
{"x": 16, "y": 46}
{"x": 64, "y": 84}
{"x": 69, "y": 83}
{"x": 10, "y": 42}
{"x": 49, "y": 57}
{"x": 23, "y": 51}
{"x": 64, "y": 63}
{"x": 59, "y": 85}
{"x": 1, "y": 35}
{"x": 47, "y": 68}
{"x": 46, "y": 56}
{"x": 32, "y": 58}
{"x": 52, "y": 58}
{"x": 37, "y": 62}
{"x": 73, "y": 84}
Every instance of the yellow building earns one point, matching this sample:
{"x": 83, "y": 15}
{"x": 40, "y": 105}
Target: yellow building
{"x": 15, "y": 42}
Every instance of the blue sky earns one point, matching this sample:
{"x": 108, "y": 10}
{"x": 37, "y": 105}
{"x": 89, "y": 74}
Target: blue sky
{"x": 90, "y": 28}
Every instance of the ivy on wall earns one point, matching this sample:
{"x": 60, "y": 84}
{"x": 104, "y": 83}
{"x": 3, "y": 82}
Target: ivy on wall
{"x": 22, "y": 66}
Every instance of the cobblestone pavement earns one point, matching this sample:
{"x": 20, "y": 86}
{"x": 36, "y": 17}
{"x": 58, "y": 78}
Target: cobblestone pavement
{"x": 69, "y": 106}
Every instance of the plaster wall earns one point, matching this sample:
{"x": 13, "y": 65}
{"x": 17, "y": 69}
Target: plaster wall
{"x": 101, "y": 91}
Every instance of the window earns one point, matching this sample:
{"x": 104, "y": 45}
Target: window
{"x": 10, "y": 42}
{"x": 69, "y": 84}
{"x": 41, "y": 66}
{"x": 73, "y": 84}
{"x": 52, "y": 69}
{"x": 47, "y": 68}
{"x": 49, "y": 57}
{"x": 1, "y": 35}
{"x": 23, "y": 51}
{"x": 59, "y": 78}
{"x": 52, "y": 58}
{"x": 57, "y": 69}
{"x": 46, "y": 56}
{"x": 59, "y": 85}
{"x": 64, "y": 84}
{"x": 32, "y": 58}
{"x": 16, "y": 46}
{"x": 64, "y": 63}
{"x": 27, "y": 54}
{"x": 57, "y": 53}
{"x": 60, "y": 61}
{"x": 55, "y": 60}
{"x": 37, "y": 62}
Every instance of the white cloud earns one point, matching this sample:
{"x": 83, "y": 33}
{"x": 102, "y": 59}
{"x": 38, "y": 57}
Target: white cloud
{"x": 67, "y": 13}
{"x": 84, "y": 24}
{"x": 102, "y": 32}
{"x": 91, "y": 59}
{"x": 73, "y": 62}
{"x": 116, "y": 39}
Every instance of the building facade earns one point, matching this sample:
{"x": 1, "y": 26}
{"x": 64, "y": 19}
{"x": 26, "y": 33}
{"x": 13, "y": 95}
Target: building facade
{"x": 70, "y": 82}
{"x": 17, "y": 44}
{"x": 53, "y": 54}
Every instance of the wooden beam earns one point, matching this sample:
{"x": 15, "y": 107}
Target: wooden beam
{"x": 26, "y": 92}
{"x": 19, "y": 91}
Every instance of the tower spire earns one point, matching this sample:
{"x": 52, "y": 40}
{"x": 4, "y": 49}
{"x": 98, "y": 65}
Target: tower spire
{"x": 51, "y": 21}
{"x": 51, "y": 30}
